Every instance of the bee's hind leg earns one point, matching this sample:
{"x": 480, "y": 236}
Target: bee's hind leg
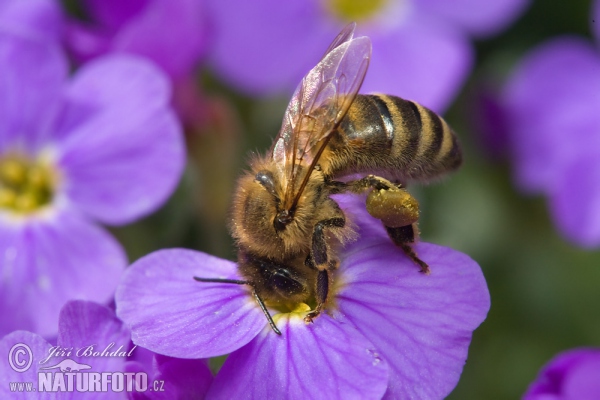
{"x": 405, "y": 237}
{"x": 397, "y": 210}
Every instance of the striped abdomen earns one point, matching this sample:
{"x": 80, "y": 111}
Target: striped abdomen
{"x": 393, "y": 138}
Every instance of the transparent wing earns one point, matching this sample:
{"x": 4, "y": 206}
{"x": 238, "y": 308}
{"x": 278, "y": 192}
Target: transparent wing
{"x": 318, "y": 105}
{"x": 344, "y": 36}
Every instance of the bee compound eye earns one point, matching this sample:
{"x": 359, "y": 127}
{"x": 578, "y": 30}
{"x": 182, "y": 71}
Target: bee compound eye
{"x": 285, "y": 283}
{"x": 266, "y": 179}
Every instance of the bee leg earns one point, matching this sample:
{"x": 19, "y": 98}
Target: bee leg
{"x": 404, "y": 237}
{"x": 321, "y": 293}
{"x": 397, "y": 209}
{"x": 368, "y": 182}
{"x": 320, "y": 250}
{"x": 319, "y": 259}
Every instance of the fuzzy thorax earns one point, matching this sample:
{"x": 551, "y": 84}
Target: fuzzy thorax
{"x": 260, "y": 198}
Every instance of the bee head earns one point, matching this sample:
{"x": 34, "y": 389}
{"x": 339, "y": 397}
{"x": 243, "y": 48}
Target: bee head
{"x": 274, "y": 281}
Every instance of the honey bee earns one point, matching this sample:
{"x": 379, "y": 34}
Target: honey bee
{"x": 286, "y": 225}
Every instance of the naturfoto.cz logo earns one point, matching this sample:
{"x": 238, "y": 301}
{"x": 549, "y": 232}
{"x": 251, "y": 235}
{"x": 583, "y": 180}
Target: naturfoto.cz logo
{"x": 68, "y": 375}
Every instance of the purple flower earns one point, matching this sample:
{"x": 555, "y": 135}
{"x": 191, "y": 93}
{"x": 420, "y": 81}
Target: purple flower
{"x": 103, "y": 145}
{"x": 173, "y": 34}
{"x": 34, "y": 17}
{"x": 170, "y": 33}
{"x": 572, "y": 375}
{"x": 93, "y": 340}
{"x": 421, "y": 49}
{"x": 388, "y": 329}
{"x": 551, "y": 104}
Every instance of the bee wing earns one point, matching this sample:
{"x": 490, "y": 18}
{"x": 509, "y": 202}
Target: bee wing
{"x": 344, "y": 36}
{"x": 319, "y": 104}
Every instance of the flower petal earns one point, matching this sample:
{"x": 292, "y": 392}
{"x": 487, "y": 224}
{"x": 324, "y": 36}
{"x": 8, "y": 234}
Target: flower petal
{"x": 120, "y": 145}
{"x": 17, "y": 349}
{"x": 172, "y": 314}
{"x": 571, "y": 375}
{"x": 176, "y": 50}
{"x": 91, "y": 328}
{"x": 575, "y": 201}
{"x": 183, "y": 379}
{"x": 32, "y": 73}
{"x": 112, "y": 14}
{"x": 421, "y": 324}
{"x": 476, "y": 17}
{"x": 551, "y": 104}
{"x": 35, "y": 17}
{"x": 583, "y": 383}
{"x": 423, "y": 60}
{"x": 266, "y": 46}
{"x": 47, "y": 261}
{"x": 324, "y": 360}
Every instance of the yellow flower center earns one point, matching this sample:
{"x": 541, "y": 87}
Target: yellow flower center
{"x": 25, "y": 185}
{"x": 356, "y": 10}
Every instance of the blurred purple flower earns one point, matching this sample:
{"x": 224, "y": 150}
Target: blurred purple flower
{"x": 173, "y": 34}
{"x": 389, "y": 330}
{"x": 103, "y": 146}
{"x": 42, "y": 18}
{"x": 552, "y": 104}
{"x": 86, "y": 327}
{"x": 421, "y": 49}
{"x": 572, "y": 375}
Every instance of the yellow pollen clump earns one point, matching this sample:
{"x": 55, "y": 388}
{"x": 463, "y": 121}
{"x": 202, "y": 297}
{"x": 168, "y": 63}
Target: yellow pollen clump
{"x": 25, "y": 185}
{"x": 356, "y": 10}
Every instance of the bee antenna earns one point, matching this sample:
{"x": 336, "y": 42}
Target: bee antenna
{"x": 220, "y": 280}
{"x": 266, "y": 312}
{"x": 260, "y": 302}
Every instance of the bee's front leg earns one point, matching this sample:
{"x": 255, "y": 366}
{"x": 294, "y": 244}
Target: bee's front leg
{"x": 321, "y": 293}
{"x": 320, "y": 248}
{"x": 320, "y": 260}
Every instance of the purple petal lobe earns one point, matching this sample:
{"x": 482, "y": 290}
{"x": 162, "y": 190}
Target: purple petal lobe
{"x": 32, "y": 72}
{"x": 422, "y": 60}
{"x": 172, "y": 314}
{"x": 421, "y": 324}
{"x": 112, "y": 14}
{"x": 120, "y": 144}
{"x": 575, "y": 201}
{"x": 324, "y": 360}
{"x": 477, "y": 17}
{"x": 34, "y": 17}
{"x": 554, "y": 92}
{"x": 257, "y": 45}
{"x": 47, "y": 261}
{"x": 100, "y": 337}
{"x": 572, "y": 375}
{"x": 184, "y": 379}
{"x": 175, "y": 50}
{"x": 21, "y": 355}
